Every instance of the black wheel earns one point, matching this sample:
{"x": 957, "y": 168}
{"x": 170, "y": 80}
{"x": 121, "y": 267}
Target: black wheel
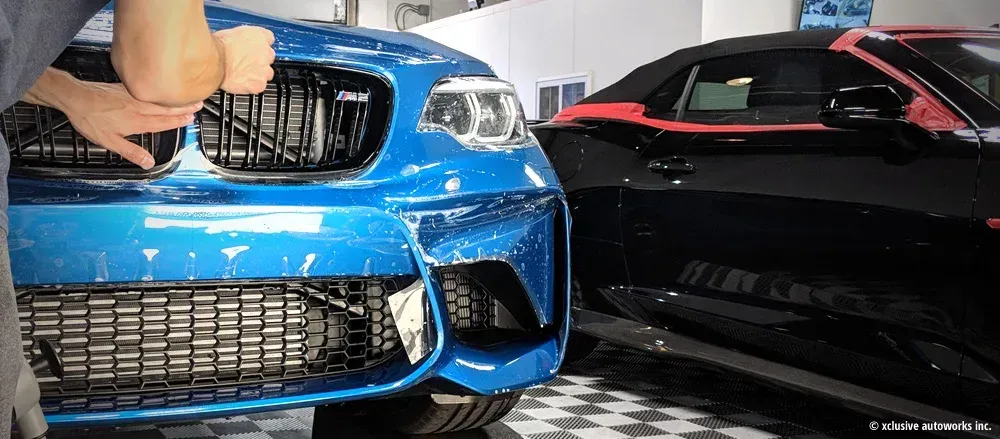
{"x": 444, "y": 413}
{"x": 579, "y": 346}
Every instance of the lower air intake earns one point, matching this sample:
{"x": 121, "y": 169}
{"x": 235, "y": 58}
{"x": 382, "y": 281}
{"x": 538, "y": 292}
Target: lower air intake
{"x": 143, "y": 338}
{"x": 470, "y": 305}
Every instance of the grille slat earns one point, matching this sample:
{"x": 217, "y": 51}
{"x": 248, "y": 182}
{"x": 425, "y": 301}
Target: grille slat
{"x": 334, "y": 136}
{"x": 223, "y": 118}
{"x": 355, "y": 131}
{"x": 17, "y": 130}
{"x": 134, "y": 338}
{"x": 41, "y": 133}
{"x": 232, "y": 131}
{"x": 279, "y": 108}
{"x": 286, "y": 105}
{"x": 260, "y": 129}
{"x": 52, "y": 137}
{"x": 249, "y": 132}
{"x": 305, "y": 140}
{"x": 86, "y": 150}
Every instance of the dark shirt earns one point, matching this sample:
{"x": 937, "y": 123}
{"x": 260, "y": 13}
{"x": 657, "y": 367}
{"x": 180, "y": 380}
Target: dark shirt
{"x": 32, "y": 34}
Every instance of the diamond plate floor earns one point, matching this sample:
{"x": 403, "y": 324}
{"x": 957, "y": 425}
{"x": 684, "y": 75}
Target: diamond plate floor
{"x": 614, "y": 393}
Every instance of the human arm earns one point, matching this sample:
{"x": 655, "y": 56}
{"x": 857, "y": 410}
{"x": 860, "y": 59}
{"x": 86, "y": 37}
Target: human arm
{"x": 165, "y": 53}
{"x": 106, "y": 113}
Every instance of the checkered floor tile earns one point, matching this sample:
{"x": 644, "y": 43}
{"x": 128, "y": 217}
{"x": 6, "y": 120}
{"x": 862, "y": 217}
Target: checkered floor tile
{"x": 614, "y": 393}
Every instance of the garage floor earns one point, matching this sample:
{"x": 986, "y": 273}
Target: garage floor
{"x": 614, "y": 393}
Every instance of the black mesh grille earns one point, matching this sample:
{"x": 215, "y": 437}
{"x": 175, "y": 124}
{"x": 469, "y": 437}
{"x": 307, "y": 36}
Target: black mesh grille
{"x": 145, "y": 337}
{"x": 156, "y": 399}
{"x": 470, "y": 305}
{"x": 308, "y": 119}
{"x": 173, "y": 398}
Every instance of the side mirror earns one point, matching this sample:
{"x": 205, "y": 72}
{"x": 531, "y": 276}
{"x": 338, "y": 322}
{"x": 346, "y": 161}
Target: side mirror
{"x": 862, "y": 108}
{"x": 876, "y": 107}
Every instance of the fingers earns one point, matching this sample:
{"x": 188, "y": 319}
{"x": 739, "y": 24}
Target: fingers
{"x": 251, "y": 82}
{"x": 270, "y": 55}
{"x": 268, "y": 36}
{"x": 149, "y": 109}
{"x": 129, "y": 151}
{"x": 155, "y": 124}
{"x": 249, "y": 57}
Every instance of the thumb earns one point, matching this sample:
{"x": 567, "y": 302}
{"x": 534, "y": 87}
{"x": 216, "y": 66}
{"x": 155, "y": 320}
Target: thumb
{"x": 129, "y": 151}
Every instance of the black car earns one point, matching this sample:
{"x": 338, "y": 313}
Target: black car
{"x": 817, "y": 208}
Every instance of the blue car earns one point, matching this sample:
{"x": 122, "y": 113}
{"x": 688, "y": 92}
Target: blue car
{"x": 380, "y": 224}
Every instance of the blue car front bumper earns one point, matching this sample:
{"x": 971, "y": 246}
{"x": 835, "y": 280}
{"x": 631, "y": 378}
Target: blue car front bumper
{"x": 194, "y": 225}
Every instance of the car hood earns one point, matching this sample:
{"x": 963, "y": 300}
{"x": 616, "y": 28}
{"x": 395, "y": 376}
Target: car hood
{"x": 319, "y": 43}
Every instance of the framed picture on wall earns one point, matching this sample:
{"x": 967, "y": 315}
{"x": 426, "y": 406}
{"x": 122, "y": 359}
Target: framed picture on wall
{"x": 553, "y": 93}
{"x": 829, "y": 14}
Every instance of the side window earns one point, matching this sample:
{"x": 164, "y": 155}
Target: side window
{"x": 776, "y": 87}
{"x": 667, "y": 100}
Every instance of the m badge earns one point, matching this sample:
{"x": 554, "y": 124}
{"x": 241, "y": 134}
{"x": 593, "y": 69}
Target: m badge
{"x": 351, "y": 96}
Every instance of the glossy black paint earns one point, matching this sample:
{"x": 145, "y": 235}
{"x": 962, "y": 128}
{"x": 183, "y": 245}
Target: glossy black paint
{"x": 981, "y": 365}
{"x": 844, "y": 253}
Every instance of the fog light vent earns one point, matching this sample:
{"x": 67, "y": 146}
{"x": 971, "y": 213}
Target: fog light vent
{"x": 470, "y": 305}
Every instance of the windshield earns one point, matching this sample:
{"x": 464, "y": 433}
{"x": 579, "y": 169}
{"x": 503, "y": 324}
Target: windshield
{"x": 975, "y": 60}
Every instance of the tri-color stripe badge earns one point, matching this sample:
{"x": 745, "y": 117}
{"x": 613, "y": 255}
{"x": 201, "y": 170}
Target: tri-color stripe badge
{"x": 352, "y": 96}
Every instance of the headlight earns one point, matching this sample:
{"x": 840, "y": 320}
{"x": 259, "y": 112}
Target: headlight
{"x": 480, "y": 112}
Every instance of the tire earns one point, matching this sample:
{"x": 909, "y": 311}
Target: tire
{"x": 444, "y": 413}
{"x": 579, "y": 346}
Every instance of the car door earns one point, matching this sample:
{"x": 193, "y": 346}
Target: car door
{"x": 967, "y": 67}
{"x": 832, "y": 251}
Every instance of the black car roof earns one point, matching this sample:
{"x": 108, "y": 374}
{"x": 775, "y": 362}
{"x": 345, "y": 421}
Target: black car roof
{"x": 644, "y": 80}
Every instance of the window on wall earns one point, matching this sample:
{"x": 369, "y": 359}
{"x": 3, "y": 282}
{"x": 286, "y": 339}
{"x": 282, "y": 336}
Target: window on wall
{"x": 765, "y": 88}
{"x": 555, "y": 93}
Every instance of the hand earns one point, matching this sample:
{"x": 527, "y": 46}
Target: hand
{"x": 106, "y": 113}
{"x": 247, "y": 55}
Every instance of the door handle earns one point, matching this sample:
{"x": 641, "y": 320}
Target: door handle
{"x": 672, "y": 166}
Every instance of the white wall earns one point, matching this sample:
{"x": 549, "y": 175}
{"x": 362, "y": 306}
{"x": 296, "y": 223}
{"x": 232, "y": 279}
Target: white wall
{"x": 524, "y": 40}
{"x": 373, "y": 13}
{"x": 381, "y": 13}
{"x": 302, "y": 9}
{"x": 939, "y": 12}
{"x": 728, "y": 18}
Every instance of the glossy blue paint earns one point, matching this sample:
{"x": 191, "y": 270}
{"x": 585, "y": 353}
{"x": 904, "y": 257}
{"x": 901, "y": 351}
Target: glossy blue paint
{"x": 398, "y": 216}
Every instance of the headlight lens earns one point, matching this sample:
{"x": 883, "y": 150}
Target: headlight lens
{"x": 480, "y": 112}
